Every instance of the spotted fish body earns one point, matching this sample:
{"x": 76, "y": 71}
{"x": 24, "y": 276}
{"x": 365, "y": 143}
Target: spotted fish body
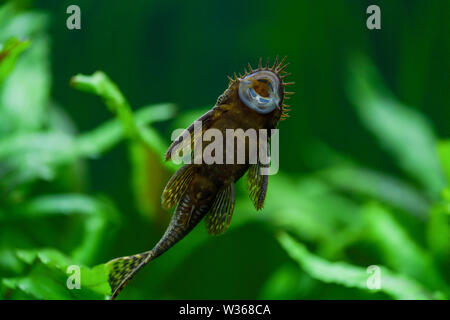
{"x": 253, "y": 100}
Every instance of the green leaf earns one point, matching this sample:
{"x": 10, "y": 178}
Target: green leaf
{"x": 401, "y": 130}
{"x": 379, "y": 186}
{"x": 30, "y": 156}
{"x": 9, "y": 52}
{"x": 399, "y": 250}
{"x": 101, "y": 85}
{"x": 94, "y": 143}
{"x": 348, "y": 275}
{"x": 142, "y": 138}
{"x": 61, "y": 147}
{"x": 446, "y": 198}
{"x": 444, "y": 156}
{"x": 148, "y": 177}
{"x": 287, "y": 282}
{"x": 14, "y": 22}
{"x": 41, "y": 283}
{"x": 48, "y": 257}
{"x": 99, "y": 217}
{"x": 9, "y": 263}
{"x": 153, "y": 139}
{"x": 48, "y": 273}
{"x": 438, "y": 229}
{"x": 25, "y": 93}
{"x": 96, "y": 279}
{"x": 309, "y": 208}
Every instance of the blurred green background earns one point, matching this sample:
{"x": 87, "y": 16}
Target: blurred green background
{"x": 364, "y": 158}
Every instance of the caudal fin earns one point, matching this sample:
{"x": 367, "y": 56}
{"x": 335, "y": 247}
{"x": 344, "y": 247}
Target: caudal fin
{"x": 122, "y": 270}
{"x": 190, "y": 210}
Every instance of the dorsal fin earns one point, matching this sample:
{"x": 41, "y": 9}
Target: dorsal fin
{"x": 181, "y": 142}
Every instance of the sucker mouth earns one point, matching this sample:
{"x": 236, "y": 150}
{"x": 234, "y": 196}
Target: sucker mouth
{"x": 263, "y": 102}
{"x": 255, "y": 101}
{"x": 277, "y": 70}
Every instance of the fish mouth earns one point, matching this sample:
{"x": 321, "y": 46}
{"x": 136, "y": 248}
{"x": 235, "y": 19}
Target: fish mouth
{"x": 261, "y": 103}
{"x": 253, "y": 99}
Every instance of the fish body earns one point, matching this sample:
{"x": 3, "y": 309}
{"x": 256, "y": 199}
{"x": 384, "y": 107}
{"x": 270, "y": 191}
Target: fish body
{"x": 206, "y": 191}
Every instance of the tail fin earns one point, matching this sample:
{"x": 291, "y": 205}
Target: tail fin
{"x": 122, "y": 270}
{"x": 190, "y": 210}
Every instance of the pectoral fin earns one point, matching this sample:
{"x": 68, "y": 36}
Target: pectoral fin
{"x": 219, "y": 217}
{"x": 257, "y": 185}
{"x": 177, "y": 186}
